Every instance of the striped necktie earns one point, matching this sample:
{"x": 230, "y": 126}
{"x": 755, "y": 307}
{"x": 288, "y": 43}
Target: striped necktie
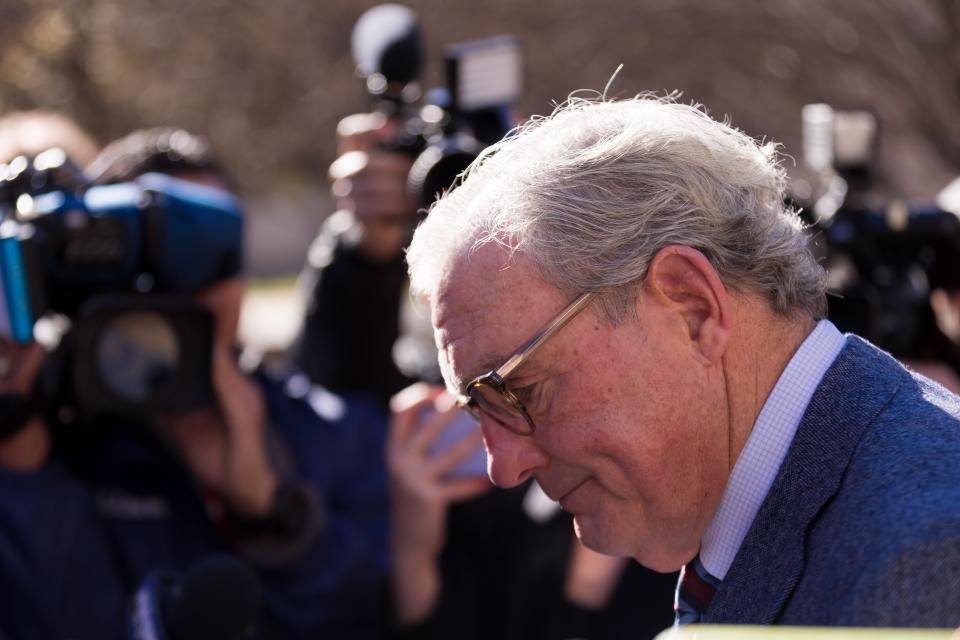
{"x": 695, "y": 590}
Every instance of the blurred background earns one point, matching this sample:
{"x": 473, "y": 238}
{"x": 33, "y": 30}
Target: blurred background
{"x": 267, "y": 82}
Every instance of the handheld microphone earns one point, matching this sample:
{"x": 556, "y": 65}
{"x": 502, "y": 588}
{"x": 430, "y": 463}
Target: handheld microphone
{"x": 216, "y": 599}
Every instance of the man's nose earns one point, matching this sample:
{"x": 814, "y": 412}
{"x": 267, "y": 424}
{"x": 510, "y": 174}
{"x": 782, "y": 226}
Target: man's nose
{"x": 511, "y": 458}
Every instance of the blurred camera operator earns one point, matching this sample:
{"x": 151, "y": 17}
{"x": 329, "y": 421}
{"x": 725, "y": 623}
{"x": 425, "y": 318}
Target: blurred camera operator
{"x": 892, "y": 262}
{"x": 354, "y": 279}
{"x": 278, "y": 472}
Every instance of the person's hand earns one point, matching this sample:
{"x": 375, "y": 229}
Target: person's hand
{"x": 224, "y": 446}
{"x": 27, "y": 448}
{"x": 421, "y": 485}
{"x": 372, "y": 183}
{"x": 421, "y": 491}
{"x": 365, "y": 132}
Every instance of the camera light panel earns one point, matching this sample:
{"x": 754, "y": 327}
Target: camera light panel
{"x": 488, "y": 73}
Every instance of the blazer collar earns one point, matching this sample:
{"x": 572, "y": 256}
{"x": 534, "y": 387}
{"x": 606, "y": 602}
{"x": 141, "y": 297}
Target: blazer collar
{"x": 770, "y": 561}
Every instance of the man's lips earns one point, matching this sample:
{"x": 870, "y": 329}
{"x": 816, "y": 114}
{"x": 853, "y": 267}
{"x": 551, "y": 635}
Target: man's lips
{"x": 564, "y": 497}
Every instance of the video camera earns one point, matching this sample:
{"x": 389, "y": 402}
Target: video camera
{"x": 883, "y": 262}
{"x": 455, "y": 123}
{"x": 119, "y": 261}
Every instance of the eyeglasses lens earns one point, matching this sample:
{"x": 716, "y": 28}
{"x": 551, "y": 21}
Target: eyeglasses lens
{"x": 500, "y": 408}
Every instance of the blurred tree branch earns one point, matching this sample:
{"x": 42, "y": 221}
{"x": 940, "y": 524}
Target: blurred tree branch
{"x": 268, "y": 81}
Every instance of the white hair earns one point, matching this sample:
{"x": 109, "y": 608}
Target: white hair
{"x": 592, "y": 192}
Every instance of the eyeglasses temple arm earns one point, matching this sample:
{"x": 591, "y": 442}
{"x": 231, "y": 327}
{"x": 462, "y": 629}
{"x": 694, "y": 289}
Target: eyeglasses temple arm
{"x": 558, "y": 323}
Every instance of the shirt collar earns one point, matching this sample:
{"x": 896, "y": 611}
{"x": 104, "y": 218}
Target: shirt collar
{"x": 762, "y": 455}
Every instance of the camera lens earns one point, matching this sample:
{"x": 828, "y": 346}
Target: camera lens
{"x": 137, "y": 353}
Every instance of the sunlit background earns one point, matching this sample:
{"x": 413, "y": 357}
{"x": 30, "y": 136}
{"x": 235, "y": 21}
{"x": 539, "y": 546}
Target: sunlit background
{"x": 267, "y": 81}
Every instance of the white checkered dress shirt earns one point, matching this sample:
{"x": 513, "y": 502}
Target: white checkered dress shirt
{"x": 767, "y": 446}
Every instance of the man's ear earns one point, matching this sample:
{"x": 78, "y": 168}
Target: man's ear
{"x": 684, "y": 281}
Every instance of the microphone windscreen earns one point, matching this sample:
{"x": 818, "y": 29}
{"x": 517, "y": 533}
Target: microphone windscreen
{"x": 386, "y": 40}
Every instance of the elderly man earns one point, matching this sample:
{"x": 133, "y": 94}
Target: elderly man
{"x": 623, "y": 301}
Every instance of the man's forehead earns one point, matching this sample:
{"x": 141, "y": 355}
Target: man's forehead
{"x": 475, "y": 280}
{"x": 475, "y": 289}
{"x": 487, "y": 283}
{"x": 488, "y": 302}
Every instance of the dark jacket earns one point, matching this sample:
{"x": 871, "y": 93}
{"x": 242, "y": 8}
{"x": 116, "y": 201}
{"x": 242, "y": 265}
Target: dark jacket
{"x": 352, "y": 317}
{"x": 79, "y": 536}
{"x": 862, "y": 524}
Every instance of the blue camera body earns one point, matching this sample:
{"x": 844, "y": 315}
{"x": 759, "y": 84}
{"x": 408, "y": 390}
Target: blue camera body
{"x": 157, "y": 234}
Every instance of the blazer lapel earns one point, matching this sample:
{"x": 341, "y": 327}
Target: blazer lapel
{"x": 770, "y": 561}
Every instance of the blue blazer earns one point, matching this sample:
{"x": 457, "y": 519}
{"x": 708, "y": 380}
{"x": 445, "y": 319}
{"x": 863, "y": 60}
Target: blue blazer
{"x": 862, "y": 524}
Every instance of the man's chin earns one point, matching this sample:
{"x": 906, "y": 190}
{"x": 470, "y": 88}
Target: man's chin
{"x": 597, "y": 538}
{"x": 609, "y": 543}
